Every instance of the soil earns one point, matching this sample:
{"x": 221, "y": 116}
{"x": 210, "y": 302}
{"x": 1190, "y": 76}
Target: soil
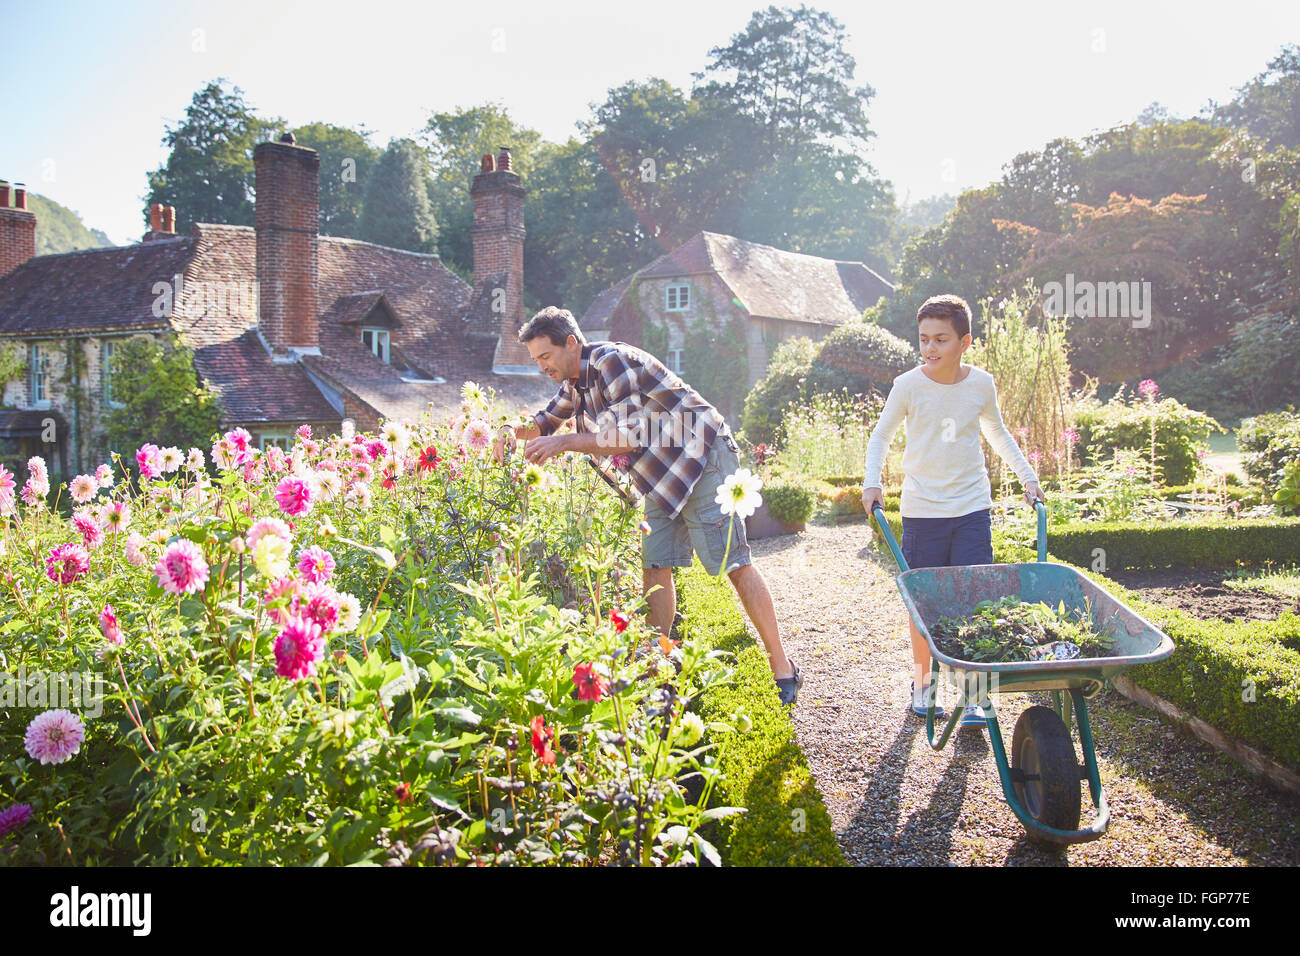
{"x": 1174, "y": 801}
{"x": 1200, "y": 593}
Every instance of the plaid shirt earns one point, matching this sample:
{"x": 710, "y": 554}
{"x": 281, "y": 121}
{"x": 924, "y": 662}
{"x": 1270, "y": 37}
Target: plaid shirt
{"x": 622, "y": 389}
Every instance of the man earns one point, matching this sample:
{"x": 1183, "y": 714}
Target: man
{"x": 679, "y": 452}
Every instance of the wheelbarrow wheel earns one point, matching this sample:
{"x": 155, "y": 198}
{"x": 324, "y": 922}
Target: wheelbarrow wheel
{"x": 1048, "y": 781}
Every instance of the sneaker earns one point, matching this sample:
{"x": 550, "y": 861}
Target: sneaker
{"x": 973, "y": 716}
{"x": 919, "y": 704}
{"x": 789, "y": 686}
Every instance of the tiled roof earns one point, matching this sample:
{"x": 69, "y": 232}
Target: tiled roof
{"x": 767, "y": 282}
{"x": 92, "y": 290}
{"x": 251, "y": 388}
{"x": 218, "y": 300}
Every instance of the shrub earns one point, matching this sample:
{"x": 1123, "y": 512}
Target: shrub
{"x": 786, "y": 823}
{"x": 1119, "y": 424}
{"x": 782, "y": 386}
{"x": 860, "y": 359}
{"x": 1268, "y": 443}
{"x": 160, "y": 394}
{"x": 789, "y": 502}
{"x": 828, "y": 434}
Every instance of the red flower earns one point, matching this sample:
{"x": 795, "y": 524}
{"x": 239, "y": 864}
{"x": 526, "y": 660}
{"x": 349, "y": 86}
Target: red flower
{"x": 591, "y": 686}
{"x": 403, "y": 793}
{"x": 620, "y": 620}
{"x": 542, "y": 737}
{"x": 388, "y": 481}
{"x": 429, "y": 459}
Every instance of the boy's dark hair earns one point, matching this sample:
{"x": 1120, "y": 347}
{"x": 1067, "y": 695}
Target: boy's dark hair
{"x": 950, "y": 307}
{"x": 556, "y": 324}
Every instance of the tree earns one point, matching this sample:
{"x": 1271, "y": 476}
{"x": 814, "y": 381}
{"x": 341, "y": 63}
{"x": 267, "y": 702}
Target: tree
{"x": 163, "y": 400}
{"x": 396, "y": 211}
{"x": 1269, "y": 105}
{"x": 346, "y": 161}
{"x": 208, "y": 176}
{"x": 455, "y": 143}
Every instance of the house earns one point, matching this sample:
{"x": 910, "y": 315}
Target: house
{"x": 715, "y": 278}
{"x": 286, "y": 326}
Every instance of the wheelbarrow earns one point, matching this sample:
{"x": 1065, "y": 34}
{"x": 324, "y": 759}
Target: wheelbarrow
{"x": 1042, "y": 781}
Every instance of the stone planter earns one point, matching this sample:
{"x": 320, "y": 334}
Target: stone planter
{"x": 762, "y": 525}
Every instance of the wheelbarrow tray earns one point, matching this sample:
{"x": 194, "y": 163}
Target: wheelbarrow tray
{"x": 932, "y": 593}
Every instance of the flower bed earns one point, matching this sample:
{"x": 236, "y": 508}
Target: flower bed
{"x": 375, "y": 649}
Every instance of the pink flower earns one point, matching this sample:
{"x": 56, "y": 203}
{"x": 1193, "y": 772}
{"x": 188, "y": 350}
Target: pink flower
{"x": 320, "y": 604}
{"x": 149, "y": 460}
{"x": 477, "y": 434}
{"x": 36, "y": 469}
{"x": 108, "y": 624}
{"x": 67, "y": 563}
{"x": 1021, "y": 433}
{"x": 304, "y": 431}
{"x": 285, "y": 587}
{"x": 14, "y": 817}
{"x": 268, "y": 526}
{"x": 104, "y": 476}
{"x": 34, "y": 493}
{"x": 276, "y": 460}
{"x": 6, "y": 481}
{"x": 87, "y": 525}
{"x": 241, "y": 441}
{"x": 1149, "y": 388}
{"x": 182, "y": 569}
{"x": 294, "y": 496}
{"x": 83, "y": 488}
{"x": 1070, "y": 436}
{"x": 135, "y": 549}
{"x": 224, "y": 455}
{"x": 315, "y": 564}
{"x": 297, "y": 649}
{"x": 115, "y": 516}
{"x": 54, "y": 736}
{"x": 362, "y": 473}
{"x": 1034, "y": 458}
{"x": 252, "y": 473}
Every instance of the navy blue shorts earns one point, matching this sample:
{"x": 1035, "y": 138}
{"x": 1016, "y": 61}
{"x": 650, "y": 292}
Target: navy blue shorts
{"x": 948, "y": 542}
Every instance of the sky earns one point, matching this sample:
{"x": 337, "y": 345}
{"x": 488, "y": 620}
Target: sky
{"x": 960, "y": 88}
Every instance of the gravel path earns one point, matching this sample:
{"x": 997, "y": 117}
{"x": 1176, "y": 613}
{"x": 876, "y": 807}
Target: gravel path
{"x": 1174, "y": 800}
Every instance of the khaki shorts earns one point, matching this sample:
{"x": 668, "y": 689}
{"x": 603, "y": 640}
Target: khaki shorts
{"x": 700, "y": 528}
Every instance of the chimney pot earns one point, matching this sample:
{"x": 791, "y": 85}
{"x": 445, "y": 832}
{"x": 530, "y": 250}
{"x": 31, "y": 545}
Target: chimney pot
{"x": 488, "y": 164}
{"x": 289, "y": 138}
{"x": 155, "y": 217}
{"x": 4, "y": 194}
{"x": 20, "y": 196}
{"x": 169, "y": 219}
{"x": 503, "y": 161}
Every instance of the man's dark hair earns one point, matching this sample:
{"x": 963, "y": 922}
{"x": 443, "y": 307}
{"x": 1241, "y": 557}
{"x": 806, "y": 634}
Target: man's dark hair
{"x": 950, "y": 307}
{"x": 556, "y": 324}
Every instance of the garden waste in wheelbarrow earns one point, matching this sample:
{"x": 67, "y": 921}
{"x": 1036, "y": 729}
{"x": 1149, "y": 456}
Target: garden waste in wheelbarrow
{"x": 1041, "y": 782}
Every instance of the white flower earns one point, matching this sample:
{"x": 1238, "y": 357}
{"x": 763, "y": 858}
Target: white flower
{"x": 172, "y": 459}
{"x": 471, "y": 396}
{"x": 271, "y": 555}
{"x": 397, "y": 435}
{"x": 690, "y": 731}
{"x": 739, "y": 494}
{"x": 349, "y": 613}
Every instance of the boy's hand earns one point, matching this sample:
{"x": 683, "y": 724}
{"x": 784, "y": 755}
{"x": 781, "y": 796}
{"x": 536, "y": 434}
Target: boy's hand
{"x": 1034, "y": 492}
{"x": 872, "y": 497}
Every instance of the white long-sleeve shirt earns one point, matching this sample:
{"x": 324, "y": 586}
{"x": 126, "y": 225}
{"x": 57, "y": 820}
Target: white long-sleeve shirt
{"x": 943, "y": 463}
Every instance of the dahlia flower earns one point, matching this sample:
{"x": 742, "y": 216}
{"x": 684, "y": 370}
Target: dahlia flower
{"x": 297, "y": 648}
{"x": 182, "y": 569}
{"x": 67, "y": 563}
{"x": 54, "y": 736}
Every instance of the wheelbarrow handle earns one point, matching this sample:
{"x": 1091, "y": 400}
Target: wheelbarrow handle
{"x": 878, "y": 513}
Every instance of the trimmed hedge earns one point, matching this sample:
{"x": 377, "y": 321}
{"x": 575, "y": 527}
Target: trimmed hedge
{"x": 1191, "y": 543}
{"x": 1217, "y": 667}
{"x": 763, "y": 769}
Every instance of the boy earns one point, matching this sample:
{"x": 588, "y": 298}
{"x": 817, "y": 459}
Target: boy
{"x": 947, "y": 500}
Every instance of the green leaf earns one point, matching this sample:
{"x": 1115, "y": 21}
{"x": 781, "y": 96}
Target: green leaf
{"x": 718, "y": 813}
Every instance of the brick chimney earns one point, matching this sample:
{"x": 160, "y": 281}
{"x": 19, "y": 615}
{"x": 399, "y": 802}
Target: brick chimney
{"x": 286, "y": 220}
{"x": 162, "y": 223}
{"x": 17, "y": 228}
{"x": 498, "y": 236}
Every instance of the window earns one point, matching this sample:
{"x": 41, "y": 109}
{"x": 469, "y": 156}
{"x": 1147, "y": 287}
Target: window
{"x": 674, "y": 360}
{"x": 280, "y": 441}
{"x": 106, "y": 364}
{"x": 38, "y": 371}
{"x": 677, "y": 298}
{"x": 377, "y": 341}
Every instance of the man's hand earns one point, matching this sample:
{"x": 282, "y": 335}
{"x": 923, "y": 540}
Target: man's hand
{"x": 1034, "y": 492}
{"x": 541, "y": 450}
{"x": 872, "y": 497}
{"x": 504, "y": 443}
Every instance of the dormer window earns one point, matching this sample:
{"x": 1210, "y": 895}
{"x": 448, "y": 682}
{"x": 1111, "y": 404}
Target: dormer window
{"x": 677, "y": 298}
{"x": 377, "y": 341}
